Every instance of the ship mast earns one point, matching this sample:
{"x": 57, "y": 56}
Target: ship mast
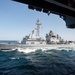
{"x": 38, "y": 28}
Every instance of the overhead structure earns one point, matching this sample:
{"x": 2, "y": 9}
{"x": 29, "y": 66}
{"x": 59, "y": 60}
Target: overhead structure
{"x": 65, "y": 8}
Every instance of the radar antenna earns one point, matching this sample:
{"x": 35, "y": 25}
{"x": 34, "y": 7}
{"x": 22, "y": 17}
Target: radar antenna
{"x": 38, "y": 28}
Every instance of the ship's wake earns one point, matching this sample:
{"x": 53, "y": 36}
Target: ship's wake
{"x": 29, "y": 50}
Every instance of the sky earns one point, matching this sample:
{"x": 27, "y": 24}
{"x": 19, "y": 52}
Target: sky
{"x": 16, "y": 21}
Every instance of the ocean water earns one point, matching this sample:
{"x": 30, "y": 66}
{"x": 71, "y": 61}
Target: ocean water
{"x": 39, "y": 62}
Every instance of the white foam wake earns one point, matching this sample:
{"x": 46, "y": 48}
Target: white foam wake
{"x": 56, "y": 47}
{"x": 27, "y": 50}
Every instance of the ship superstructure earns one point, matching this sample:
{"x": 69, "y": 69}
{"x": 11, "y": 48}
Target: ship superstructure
{"x": 34, "y": 38}
{"x": 51, "y": 38}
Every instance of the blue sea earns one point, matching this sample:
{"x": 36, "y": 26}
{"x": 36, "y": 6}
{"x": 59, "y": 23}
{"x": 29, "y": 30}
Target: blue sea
{"x": 47, "y": 62}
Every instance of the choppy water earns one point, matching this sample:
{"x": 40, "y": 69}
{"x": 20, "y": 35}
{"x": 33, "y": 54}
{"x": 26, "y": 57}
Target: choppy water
{"x": 50, "y": 62}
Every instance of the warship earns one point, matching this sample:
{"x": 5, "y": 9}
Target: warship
{"x": 35, "y": 41}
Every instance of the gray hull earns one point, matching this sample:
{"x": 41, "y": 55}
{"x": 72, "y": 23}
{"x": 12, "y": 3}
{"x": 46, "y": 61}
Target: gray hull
{"x": 32, "y": 46}
{"x": 51, "y": 46}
